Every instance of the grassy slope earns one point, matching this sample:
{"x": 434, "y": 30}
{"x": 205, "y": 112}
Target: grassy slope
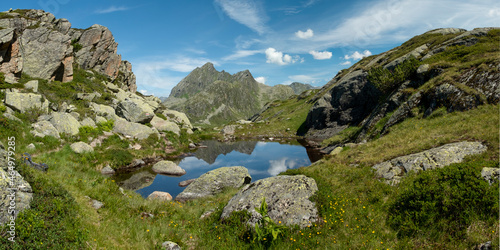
{"x": 353, "y": 202}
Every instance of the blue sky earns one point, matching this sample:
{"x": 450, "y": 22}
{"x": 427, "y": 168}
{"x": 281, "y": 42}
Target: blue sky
{"x": 279, "y": 41}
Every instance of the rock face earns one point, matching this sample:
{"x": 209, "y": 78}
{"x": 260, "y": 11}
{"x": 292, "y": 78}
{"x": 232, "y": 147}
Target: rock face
{"x": 209, "y": 96}
{"x": 178, "y": 117}
{"x": 168, "y": 168}
{"x": 24, "y": 101}
{"x": 347, "y": 103}
{"x": 15, "y": 190}
{"x": 287, "y": 199}
{"x": 214, "y": 182}
{"x": 392, "y": 171}
{"x": 350, "y": 99}
{"x": 298, "y": 87}
{"x": 36, "y": 43}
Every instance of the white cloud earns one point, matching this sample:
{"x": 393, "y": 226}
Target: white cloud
{"x": 111, "y": 9}
{"x": 304, "y": 34}
{"x": 303, "y": 78}
{"x": 358, "y": 56}
{"x": 240, "y": 54}
{"x": 346, "y": 63}
{"x": 143, "y": 91}
{"x": 277, "y": 57}
{"x": 383, "y": 22}
{"x": 321, "y": 55}
{"x": 261, "y": 79}
{"x": 248, "y": 13}
{"x": 494, "y": 12}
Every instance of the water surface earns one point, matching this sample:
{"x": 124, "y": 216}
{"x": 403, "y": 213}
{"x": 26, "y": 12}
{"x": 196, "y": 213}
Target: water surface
{"x": 262, "y": 159}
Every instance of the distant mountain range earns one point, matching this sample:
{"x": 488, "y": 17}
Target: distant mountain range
{"x": 209, "y": 96}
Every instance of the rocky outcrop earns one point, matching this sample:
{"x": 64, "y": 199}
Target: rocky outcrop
{"x": 287, "y": 199}
{"x": 347, "y": 103}
{"x": 214, "y": 182}
{"x": 103, "y": 110}
{"x": 36, "y": 43}
{"x": 168, "y": 168}
{"x": 491, "y": 175}
{"x": 298, "y": 87}
{"x": 392, "y": 171}
{"x": 22, "y": 102}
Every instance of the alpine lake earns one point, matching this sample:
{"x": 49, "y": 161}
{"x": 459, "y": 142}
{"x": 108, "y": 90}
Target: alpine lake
{"x": 262, "y": 159}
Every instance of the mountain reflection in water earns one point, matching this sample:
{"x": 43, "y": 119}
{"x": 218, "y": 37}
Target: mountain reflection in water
{"x": 262, "y": 159}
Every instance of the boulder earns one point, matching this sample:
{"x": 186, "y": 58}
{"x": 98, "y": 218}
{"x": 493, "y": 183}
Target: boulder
{"x": 490, "y": 174}
{"x": 393, "y": 170}
{"x": 104, "y": 111}
{"x": 163, "y": 125}
{"x": 287, "y": 199}
{"x": 81, "y": 147}
{"x": 134, "y": 110}
{"x": 214, "y": 182}
{"x": 44, "y": 128}
{"x": 24, "y": 101}
{"x": 132, "y": 129}
{"x": 33, "y": 85}
{"x": 178, "y": 117}
{"x": 168, "y": 168}
{"x": 87, "y": 121}
{"x": 228, "y": 130}
{"x": 107, "y": 170}
{"x": 336, "y": 151}
{"x": 12, "y": 190}
{"x": 161, "y": 196}
{"x": 186, "y": 182}
{"x": 169, "y": 245}
{"x": 65, "y": 123}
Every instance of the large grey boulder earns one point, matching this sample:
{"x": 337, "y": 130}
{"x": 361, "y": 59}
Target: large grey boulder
{"x": 393, "y": 170}
{"x": 44, "y": 128}
{"x": 132, "y": 129}
{"x": 134, "y": 110}
{"x": 214, "y": 182}
{"x": 350, "y": 101}
{"x": 65, "y": 123}
{"x": 162, "y": 125}
{"x": 23, "y": 101}
{"x": 168, "y": 168}
{"x": 287, "y": 199}
{"x": 81, "y": 147}
{"x": 178, "y": 117}
{"x": 33, "y": 85}
{"x": 103, "y": 110}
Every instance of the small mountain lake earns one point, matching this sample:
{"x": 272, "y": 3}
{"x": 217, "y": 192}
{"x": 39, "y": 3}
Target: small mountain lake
{"x": 262, "y": 159}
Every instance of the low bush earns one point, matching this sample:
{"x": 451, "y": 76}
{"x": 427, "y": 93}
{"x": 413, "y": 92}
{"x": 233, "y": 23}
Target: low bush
{"x": 444, "y": 201}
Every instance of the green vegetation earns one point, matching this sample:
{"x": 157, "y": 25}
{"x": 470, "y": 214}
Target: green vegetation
{"x": 76, "y": 46}
{"x": 444, "y": 201}
{"x": 386, "y": 80}
{"x": 266, "y": 228}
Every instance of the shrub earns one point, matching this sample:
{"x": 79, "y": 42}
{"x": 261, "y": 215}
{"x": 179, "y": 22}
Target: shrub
{"x": 444, "y": 201}
{"x": 76, "y": 45}
{"x": 106, "y": 126}
{"x": 386, "y": 80}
